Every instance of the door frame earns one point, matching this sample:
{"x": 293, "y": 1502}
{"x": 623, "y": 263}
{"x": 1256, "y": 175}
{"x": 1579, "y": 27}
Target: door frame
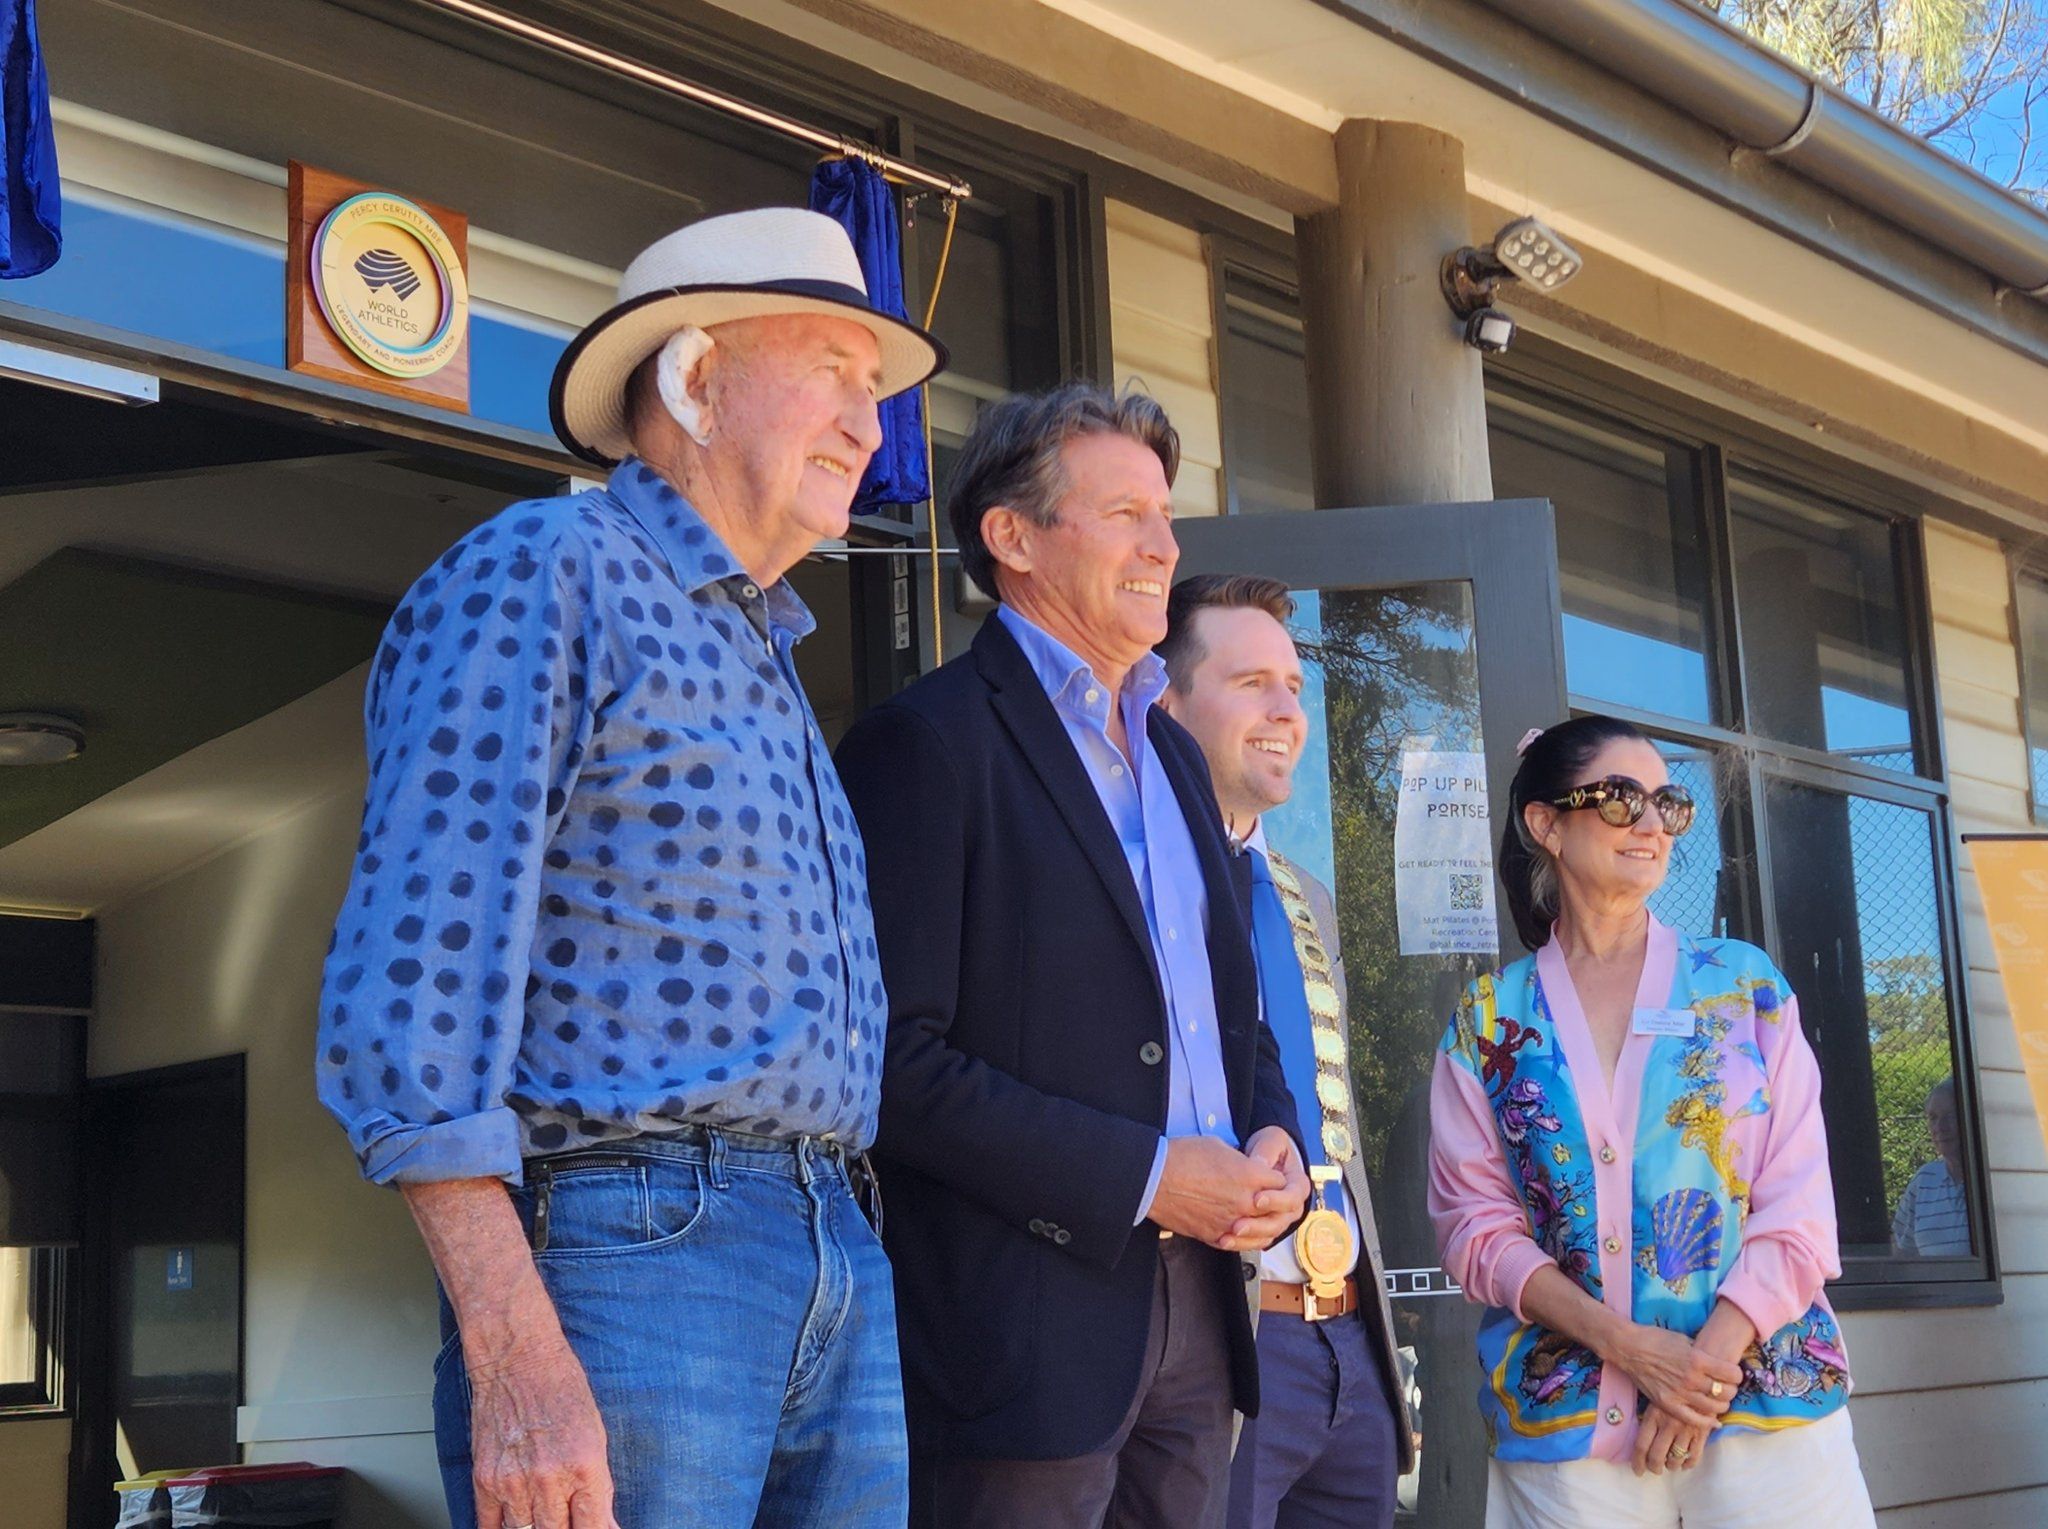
{"x": 93, "y": 1472}
{"x": 1506, "y": 549}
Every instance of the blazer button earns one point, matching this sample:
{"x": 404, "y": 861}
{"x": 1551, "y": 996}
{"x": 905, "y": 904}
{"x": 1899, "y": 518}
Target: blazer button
{"x": 1151, "y": 1053}
{"x": 1251, "y": 1272}
{"x": 1062, "y": 1237}
{"x": 1037, "y": 1227}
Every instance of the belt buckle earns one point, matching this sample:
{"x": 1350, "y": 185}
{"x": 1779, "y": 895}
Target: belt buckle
{"x": 1312, "y": 1297}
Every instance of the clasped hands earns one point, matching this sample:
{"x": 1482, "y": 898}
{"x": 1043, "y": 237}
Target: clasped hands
{"x": 1239, "y": 1201}
{"x": 1689, "y": 1389}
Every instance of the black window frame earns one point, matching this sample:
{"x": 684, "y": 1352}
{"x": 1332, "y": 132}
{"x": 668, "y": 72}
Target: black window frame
{"x": 53, "y": 1313}
{"x": 1541, "y": 375}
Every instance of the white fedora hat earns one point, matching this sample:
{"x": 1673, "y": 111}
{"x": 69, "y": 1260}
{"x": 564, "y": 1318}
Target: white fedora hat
{"x": 742, "y": 265}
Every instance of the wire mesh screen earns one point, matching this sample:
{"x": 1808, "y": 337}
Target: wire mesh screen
{"x": 1859, "y": 920}
{"x": 1905, "y": 988}
{"x": 1691, "y": 898}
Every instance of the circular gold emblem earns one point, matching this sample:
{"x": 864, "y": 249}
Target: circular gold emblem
{"x": 1322, "y": 1246}
{"x": 390, "y": 284}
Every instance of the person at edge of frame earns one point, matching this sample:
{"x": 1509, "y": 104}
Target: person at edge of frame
{"x": 1083, "y": 1121}
{"x": 1629, "y": 1170}
{"x": 1333, "y": 1434}
{"x": 603, "y": 999}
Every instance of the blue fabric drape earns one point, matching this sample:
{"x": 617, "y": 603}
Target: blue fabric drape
{"x": 854, "y": 194}
{"x": 29, "y": 236}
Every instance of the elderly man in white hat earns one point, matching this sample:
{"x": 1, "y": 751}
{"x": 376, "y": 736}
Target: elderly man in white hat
{"x": 603, "y": 999}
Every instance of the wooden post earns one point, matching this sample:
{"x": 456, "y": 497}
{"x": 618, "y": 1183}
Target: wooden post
{"x": 1397, "y": 410}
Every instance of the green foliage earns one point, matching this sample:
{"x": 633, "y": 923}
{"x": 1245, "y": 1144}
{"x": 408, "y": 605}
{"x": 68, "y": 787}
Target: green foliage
{"x": 1399, "y": 673}
{"x": 1907, "y": 1002}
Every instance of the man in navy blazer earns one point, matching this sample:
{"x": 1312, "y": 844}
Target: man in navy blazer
{"x": 1083, "y": 1122}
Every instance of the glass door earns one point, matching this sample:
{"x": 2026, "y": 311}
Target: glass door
{"x": 1431, "y": 640}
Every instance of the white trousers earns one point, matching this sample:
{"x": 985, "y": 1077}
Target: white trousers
{"x": 1807, "y": 1476}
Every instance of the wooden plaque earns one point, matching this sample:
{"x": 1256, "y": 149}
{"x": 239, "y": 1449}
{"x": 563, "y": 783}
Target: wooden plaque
{"x": 377, "y": 295}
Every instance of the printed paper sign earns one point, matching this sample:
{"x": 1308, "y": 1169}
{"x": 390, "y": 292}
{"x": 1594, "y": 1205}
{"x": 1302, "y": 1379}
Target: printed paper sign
{"x": 1443, "y": 857}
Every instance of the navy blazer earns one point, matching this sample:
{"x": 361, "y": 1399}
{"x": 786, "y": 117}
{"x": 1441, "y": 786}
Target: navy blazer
{"x": 1025, "y": 1077}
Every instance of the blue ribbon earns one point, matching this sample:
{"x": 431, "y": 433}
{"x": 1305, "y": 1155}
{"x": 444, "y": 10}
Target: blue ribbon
{"x": 854, "y": 194}
{"x": 30, "y": 239}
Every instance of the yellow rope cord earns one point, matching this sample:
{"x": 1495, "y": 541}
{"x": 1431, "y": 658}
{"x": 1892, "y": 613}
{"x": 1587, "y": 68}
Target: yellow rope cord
{"x": 931, "y": 309}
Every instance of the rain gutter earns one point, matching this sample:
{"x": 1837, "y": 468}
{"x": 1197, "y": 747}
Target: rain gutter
{"x": 1903, "y": 215}
{"x": 1681, "y": 53}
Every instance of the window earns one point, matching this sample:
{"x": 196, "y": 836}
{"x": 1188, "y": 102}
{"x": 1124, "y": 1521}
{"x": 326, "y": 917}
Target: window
{"x": 1759, "y": 622}
{"x": 2031, "y": 599}
{"x": 1758, "y": 619}
{"x": 1000, "y": 306}
{"x": 1631, "y": 553}
{"x": 42, "y": 1069}
{"x": 32, "y": 1311}
{"x": 1264, "y": 389}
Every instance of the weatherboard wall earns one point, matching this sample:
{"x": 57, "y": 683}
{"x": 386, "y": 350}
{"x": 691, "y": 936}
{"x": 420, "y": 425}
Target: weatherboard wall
{"x": 1951, "y": 1406}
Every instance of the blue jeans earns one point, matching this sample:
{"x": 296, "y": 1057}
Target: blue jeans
{"x": 733, "y": 1310}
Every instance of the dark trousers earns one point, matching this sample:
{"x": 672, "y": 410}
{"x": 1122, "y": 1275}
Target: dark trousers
{"x": 1168, "y": 1463}
{"x": 1321, "y": 1454}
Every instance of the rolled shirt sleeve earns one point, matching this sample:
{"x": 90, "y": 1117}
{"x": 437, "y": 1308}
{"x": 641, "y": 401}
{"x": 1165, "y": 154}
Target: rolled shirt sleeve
{"x": 477, "y": 719}
{"x": 1482, "y": 1227}
{"x": 1789, "y": 1241}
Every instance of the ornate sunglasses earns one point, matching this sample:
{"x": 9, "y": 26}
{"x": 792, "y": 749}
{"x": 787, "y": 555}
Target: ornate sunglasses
{"x": 1621, "y": 802}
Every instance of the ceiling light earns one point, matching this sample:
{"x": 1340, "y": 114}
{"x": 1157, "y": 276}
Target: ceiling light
{"x": 30, "y": 738}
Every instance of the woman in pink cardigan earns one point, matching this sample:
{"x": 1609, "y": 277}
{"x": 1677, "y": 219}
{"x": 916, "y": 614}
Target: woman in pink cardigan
{"x": 1628, "y": 1169}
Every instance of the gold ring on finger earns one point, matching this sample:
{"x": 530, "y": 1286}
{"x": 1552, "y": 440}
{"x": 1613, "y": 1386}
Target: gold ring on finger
{"x": 1715, "y": 1390}
{"x": 1679, "y": 1452}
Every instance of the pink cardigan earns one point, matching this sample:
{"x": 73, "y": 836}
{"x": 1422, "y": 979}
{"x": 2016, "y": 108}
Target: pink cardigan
{"x": 1787, "y": 1241}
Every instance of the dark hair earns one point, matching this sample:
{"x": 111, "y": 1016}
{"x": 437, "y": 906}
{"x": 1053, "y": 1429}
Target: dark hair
{"x": 1555, "y": 761}
{"x": 1012, "y": 457}
{"x": 1181, "y": 649}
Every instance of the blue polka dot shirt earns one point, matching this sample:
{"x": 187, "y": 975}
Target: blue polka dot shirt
{"x": 608, "y": 882}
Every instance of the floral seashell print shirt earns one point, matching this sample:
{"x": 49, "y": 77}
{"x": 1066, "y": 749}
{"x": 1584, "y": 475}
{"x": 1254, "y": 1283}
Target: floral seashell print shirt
{"x": 1702, "y": 1174}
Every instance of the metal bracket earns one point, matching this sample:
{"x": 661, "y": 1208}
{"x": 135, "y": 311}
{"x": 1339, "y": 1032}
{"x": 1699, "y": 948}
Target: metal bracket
{"x": 75, "y": 374}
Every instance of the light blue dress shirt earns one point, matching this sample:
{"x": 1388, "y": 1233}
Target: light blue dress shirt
{"x": 1146, "y": 815}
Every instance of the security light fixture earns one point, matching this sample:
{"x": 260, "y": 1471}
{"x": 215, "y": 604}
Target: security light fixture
{"x": 1490, "y": 330}
{"x": 1526, "y": 250}
{"x": 31, "y": 738}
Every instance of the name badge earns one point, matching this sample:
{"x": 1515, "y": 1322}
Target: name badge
{"x": 1662, "y": 1022}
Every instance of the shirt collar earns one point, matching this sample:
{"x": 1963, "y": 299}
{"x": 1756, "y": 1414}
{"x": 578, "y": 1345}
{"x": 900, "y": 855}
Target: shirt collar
{"x": 1066, "y": 675}
{"x": 1256, "y": 839}
{"x": 696, "y": 555}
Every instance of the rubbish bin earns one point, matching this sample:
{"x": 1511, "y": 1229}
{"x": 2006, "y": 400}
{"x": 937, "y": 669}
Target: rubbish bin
{"x": 295, "y": 1496}
{"x": 145, "y": 1501}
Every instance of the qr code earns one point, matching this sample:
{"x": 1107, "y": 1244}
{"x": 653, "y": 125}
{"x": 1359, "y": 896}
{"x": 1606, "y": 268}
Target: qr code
{"x": 1468, "y": 892}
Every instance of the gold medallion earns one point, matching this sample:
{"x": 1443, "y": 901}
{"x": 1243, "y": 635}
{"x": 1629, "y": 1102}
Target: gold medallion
{"x": 1323, "y": 1244}
{"x": 1324, "y": 1247}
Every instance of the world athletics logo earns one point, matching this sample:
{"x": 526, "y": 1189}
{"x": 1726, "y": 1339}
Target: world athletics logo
{"x": 381, "y": 268}
{"x": 390, "y": 284}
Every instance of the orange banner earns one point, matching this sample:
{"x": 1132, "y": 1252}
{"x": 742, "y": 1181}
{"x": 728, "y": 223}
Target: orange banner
{"x": 2012, "y": 873}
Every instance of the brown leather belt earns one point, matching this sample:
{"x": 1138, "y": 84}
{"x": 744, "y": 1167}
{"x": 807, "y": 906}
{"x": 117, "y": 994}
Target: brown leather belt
{"x": 1277, "y": 1295}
